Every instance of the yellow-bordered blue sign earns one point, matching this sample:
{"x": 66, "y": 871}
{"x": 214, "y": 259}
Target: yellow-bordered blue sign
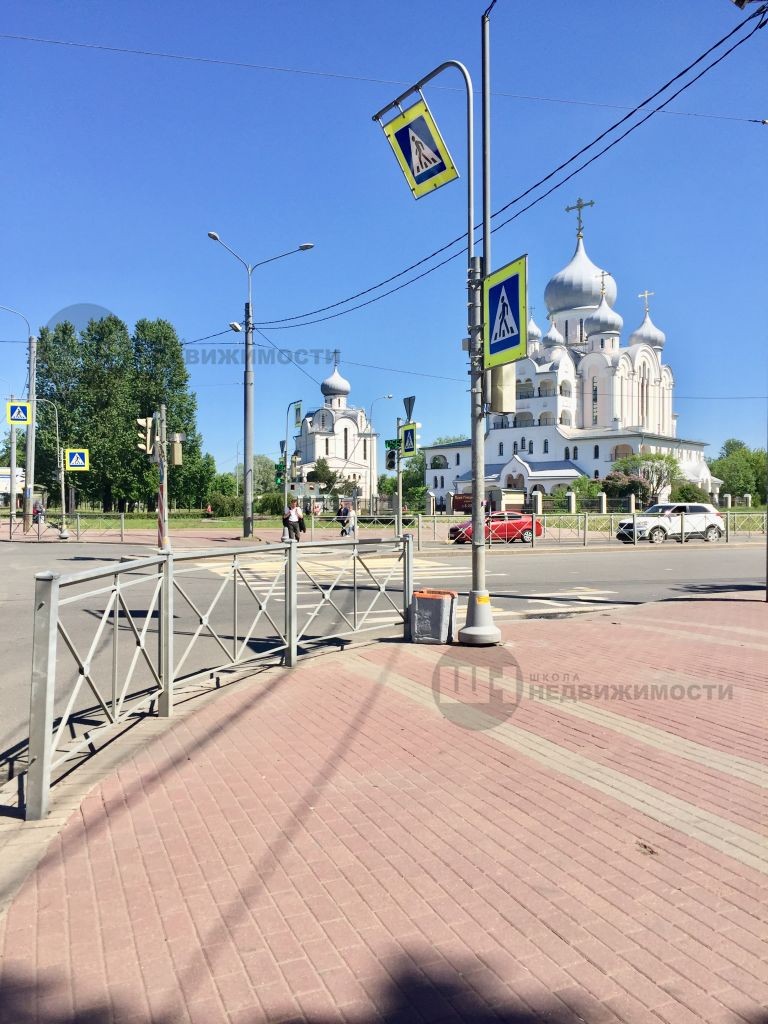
{"x": 420, "y": 150}
{"x": 17, "y": 414}
{"x": 77, "y": 460}
{"x": 505, "y": 317}
{"x": 408, "y": 440}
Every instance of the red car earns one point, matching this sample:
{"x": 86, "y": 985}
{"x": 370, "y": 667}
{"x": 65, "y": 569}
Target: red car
{"x": 499, "y": 526}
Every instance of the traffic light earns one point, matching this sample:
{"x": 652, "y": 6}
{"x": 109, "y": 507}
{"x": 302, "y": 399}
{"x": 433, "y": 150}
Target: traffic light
{"x": 146, "y": 442}
{"x": 391, "y": 460}
{"x": 279, "y": 474}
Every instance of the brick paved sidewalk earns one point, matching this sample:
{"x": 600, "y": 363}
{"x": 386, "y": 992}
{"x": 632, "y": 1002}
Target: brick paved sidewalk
{"x": 568, "y": 828}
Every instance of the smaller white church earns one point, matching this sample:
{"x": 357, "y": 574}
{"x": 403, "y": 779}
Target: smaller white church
{"x": 342, "y": 435}
{"x": 578, "y": 402}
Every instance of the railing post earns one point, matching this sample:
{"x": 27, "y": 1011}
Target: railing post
{"x": 291, "y": 603}
{"x": 122, "y": 527}
{"x": 165, "y": 627}
{"x": 312, "y": 526}
{"x": 634, "y": 525}
{"x": 77, "y": 526}
{"x": 418, "y": 532}
{"x": 41, "y": 705}
{"x": 727, "y": 527}
{"x": 586, "y": 527}
{"x": 407, "y": 584}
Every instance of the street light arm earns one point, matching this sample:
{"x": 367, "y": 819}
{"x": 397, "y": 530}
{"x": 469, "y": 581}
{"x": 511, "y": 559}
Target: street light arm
{"x": 9, "y": 310}
{"x": 273, "y": 258}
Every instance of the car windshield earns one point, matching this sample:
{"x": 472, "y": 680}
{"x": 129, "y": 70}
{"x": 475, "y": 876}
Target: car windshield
{"x": 657, "y": 509}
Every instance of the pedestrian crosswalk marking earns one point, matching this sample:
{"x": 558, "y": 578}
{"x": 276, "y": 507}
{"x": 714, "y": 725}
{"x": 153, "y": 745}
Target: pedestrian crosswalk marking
{"x": 504, "y": 325}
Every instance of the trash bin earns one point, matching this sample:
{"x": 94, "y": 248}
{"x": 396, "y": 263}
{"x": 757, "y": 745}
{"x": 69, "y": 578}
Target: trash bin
{"x": 433, "y": 616}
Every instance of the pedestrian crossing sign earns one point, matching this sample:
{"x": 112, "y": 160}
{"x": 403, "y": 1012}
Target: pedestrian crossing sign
{"x": 77, "y": 460}
{"x": 505, "y": 316}
{"x": 408, "y": 440}
{"x": 420, "y": 150}
{"x": 17, "y": 414}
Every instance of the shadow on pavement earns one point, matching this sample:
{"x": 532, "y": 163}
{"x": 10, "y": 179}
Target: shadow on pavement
{"x": 407, "y": 997}
{"x": 699, "y": 591}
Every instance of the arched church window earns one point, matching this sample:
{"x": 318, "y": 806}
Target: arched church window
{"x": 522, "y": 442}
{"x": 435, "y": 482}
{"x": 327, "y": 446}
{"x": 602, "y": 343}
{"x": 597, "y": 474}
{"x": 514, "y": 448}
{"x": 575, "y": 451}
{"x": 365, "y": 450}
{"x": 346, "y": 442}
{"x": 501, "y": 447}
{"x": 567, "y": 454}
{"x": 597, "y": 451}
{"x": 546, "y": 447}
{"x": 458, "y": 458}
{"x": 442, "y": 481}
{"x": 594, "y": 401}
{"x": 581, "y": 330}
{"x": 530, "y": 447}
{"x": 566, "y": 330}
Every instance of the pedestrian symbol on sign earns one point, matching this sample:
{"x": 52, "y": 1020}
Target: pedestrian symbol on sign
{"x": 422, "y": 157}
{"x": 17, "y": 413}
{"x": 77, "y": 459}
{"x": 504, "y": 325}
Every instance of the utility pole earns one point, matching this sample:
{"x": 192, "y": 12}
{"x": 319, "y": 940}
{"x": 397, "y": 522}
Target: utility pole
{"x": 161, "y": 454}
{"x": 29, "y": 467}
{"x": 399, "y": 509}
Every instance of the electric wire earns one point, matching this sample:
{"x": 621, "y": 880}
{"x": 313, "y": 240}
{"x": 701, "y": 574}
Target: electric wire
{"x": 283, "y": 322}
{"x": 248, "y": 66}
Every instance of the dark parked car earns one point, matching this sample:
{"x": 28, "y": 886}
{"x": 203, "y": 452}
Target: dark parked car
{"x": 499, "y": 526}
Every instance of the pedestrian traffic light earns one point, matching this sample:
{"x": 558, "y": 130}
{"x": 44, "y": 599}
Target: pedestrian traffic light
{"x": 279, "y": 473}
{"x": 146, "y": 442}
{"x": 391, "y": 460}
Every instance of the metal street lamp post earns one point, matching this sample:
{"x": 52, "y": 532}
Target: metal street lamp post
{"x": 479, "y": 627}
{"x": 248, "y": 412}
{"x": 63, "y": 532}
{"x": 371, "y": 459}
{"x": 291, "y": 405}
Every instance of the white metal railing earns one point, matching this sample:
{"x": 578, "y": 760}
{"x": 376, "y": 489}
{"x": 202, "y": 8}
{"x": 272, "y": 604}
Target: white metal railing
{"x": 134, "y": 633}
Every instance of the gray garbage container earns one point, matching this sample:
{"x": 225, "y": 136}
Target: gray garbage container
{"x": 433, "y": 616}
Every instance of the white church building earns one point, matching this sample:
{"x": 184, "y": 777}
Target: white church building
{"x": 342, "y": 435}
{"x": 579, "y": 401}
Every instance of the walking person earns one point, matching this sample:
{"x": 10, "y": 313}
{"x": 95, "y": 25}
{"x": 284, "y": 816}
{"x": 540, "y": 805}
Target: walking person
{"x": 351, "y": 521}
{"x": 343, "y": 518}
{"x": 293, "y": 520}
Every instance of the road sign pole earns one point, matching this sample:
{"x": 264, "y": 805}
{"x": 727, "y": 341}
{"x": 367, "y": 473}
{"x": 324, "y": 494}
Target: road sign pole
{"x": 29, "y": 466}
{"x": 399, "y": 509}
{"x": 248, "y": 420}
{"x": 163, "y": 539}
{"x": 13, "y": 475}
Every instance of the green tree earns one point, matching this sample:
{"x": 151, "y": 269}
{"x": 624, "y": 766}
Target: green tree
{"x": 387, "y": 484}
{"x": 58, "y": 382}
{"x": 414, "y": 487}
{"x": 585, "y": 487}
{"x": 323, "y": 474}
{"x": 263, "y": 474}
{"x": 224, "y": 483}
{"x": 736, "y": 471}
{"x": 659, "y": 470}
{"x": 687, "y": 491}
{"x": 450, "y": 439}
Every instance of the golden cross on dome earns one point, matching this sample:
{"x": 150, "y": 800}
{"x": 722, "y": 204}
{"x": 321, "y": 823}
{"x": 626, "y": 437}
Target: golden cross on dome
{"x": 336, "y": 357}
{"x": 579, "y": 205}
{"x": 644, "y": 295}
{"x": 602, "y": 275}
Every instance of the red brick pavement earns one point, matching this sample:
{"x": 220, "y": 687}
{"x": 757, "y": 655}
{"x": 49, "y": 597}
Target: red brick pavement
{"x": 324, "y": 844}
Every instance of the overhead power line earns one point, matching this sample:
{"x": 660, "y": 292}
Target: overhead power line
{"x": 307, "y": 72}
{"x": 284, "y": 322}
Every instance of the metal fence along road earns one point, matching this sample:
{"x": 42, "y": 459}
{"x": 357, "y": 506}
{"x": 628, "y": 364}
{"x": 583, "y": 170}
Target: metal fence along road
{"x": 125, "y": 638}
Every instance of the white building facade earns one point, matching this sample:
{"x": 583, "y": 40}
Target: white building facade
{"x": 579, "y": 401}
{"x": 342, "y": 435}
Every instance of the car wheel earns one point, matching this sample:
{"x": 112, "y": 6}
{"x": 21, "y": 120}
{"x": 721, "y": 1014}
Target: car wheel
{"x": 656, "y": 535}
{"x": 526, "y": 536}
{"x": 713, "y": 533}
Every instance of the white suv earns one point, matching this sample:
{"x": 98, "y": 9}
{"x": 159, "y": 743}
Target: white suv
{"x": 672, "y": 520}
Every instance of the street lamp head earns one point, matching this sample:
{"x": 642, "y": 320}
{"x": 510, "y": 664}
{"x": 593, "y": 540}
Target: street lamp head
{"x": 235, "y": 326}
{"x": 306, "y": 246}
{"x": 214, "y": 236}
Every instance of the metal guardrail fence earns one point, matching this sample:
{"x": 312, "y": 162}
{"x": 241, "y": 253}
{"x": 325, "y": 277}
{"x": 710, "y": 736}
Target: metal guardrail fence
{"x": 580, "y": 528}
{"x": 137, "y": 633}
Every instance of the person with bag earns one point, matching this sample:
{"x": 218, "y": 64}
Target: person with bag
{"x": 293, "y": 520}
{"x": 343, "y": 517}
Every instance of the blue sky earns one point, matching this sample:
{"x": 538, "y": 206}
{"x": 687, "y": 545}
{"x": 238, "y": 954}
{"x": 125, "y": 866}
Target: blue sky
{"x": 115, "y": 166}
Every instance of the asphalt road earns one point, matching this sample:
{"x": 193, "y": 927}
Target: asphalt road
{"x": 541, "y": 582}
